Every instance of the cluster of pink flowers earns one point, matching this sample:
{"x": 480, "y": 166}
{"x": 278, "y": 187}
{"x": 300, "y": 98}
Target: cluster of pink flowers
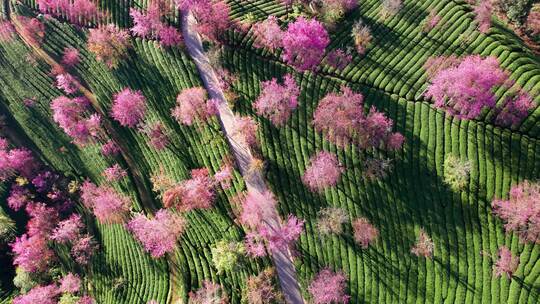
{"x": 304, "y": 44}
{"x": 149, "y": 25}
{"x": 110, "y": 148}
{"x": 424, "y": 245}
{"x": 128, "y": 107}
{"x": 212, "y": 17}
{"x": 338, "y": 59}
{"x": 67, "y": 83}
{"x": 72, "y": 116}
{"x": 76, "y": 11}
{"x": 70, "y": 283}
{"x": 209, "y": 293}
{"x": 158, "y": 135}
{"x": 68, "y": 230}
{"x": 109, "y": 44}
{"x": 514, "y": 109}
{"x": 192, "y": 106}
{"x": 71, "y": 57}
{"x": 18, "y": 197}
{"x": 39, "y": 294}
{"x": 247, "y": 128}
{"x": 32, "y": 253}
{"x": 329, "y": 287}
{"x": 280, "y": 238}
{"x": 341, "y": 118}
{"x": 483, "y": 11}
{"x": 15, "y": 161}
{"x": 7, "y": 31}
{"x": 521, "y": 211}
{"x": 159, "y": 234}
{"x": 108, "y": 205}
{"x": 506, "y": 264}
{"x": 224, "y": 176}
{"x": 114, "y": 173}
{"x": 193, "y": 193}
{"x": 32, "y": 29}
{"x": 257, "y": 207}
{"x": 464, "y": 90}
{"x": 42, "y": 220}
{"x": 268, "y": 34}
{"x": 277, "y": 101}
{"x": 364, "y": 232}
{"x": 324, "y": 171}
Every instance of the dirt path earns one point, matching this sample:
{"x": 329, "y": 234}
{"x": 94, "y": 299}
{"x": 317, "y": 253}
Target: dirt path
{"x": 242, "y": 153}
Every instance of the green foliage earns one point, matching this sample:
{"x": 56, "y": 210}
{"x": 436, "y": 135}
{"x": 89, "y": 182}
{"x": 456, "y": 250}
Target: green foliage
{"x": 7, "y": 228}
{"x": 228, "y": 256}
{"x": 516, "y": 10}
{"x": 456, "y": 172}
{"x": 68, "y": 298}
{"x": 24, "y": 280}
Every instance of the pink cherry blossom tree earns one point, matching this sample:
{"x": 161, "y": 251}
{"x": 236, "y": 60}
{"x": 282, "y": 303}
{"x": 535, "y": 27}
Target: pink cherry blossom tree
{"x": 261, "y": 289}
{"x": 323, "y": 172}
{"x": 282, "y": 237}
{"x": 18, "y": 197}
{"x": 514, "y": 109}
{"x": 114, "y": 173}
{"x": 521, "y": 211}
{"x": 73, "y": 116}
{"x": 193, "y": 106}
{"x": 190, "y": 194}
{"x": 109, "y": 44}
{"x": 67, "y": 83}
{"x": 341, "y": 119}
{"x": 338, "y": 59}
{"x": 110, "y": 148}
{"x": 256, "y": 207}
{"x": 108, "y": 205}
{"x": 7, "y": 31}
{"x": 209, "y": 293}
{"x": 68, "y": 230}
{"x": 79, "y": 12}
{"x": 83, "y": 249}
{"x": 329, "y": 287}
{"x": 483, "y": 11}
{"x": 304, "y": 44}
{"x": 246, "y": 128}
{"x": 390, "y": 8}
{"x": 464, "y": 90}
{"x": 16, "y": 161}
{"x": 32, "y": 254}
{"x": 43, "y": 219}
{"x": 159, "y": 234}
{"x": 212, "y": 18}
{"x": 362, "y": 37}
{"x": 157, "y": 133}
{"x": 71, "y": 57}
{"x": 129, "y": 107}
{"x": 224, "y": 176}
{"x": 70, "y": 283}
{"x": 364, "y": 233}
{"x": 424, "y": 245}
{"x": 39, "y": 294}
{"x": 506, "y": 264}
{"x": 32, "y": 29}
{"x": 277, "y": 101}
{"x": 254, "y": 244}
{"x": 268, "y": 34}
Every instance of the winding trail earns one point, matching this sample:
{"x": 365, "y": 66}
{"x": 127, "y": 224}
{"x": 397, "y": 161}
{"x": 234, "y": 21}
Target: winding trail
{"x": 253, "y": 178}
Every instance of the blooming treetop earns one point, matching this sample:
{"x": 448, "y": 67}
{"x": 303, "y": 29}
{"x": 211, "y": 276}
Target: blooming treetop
{"x": 128, "y": 107}
{"x": 159, "y": 234}
{"x": 341, "y": 119}
{"x": 304, "y": 44}
{"x": 324, "y": 171}
{"x": 277, "y": 101}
